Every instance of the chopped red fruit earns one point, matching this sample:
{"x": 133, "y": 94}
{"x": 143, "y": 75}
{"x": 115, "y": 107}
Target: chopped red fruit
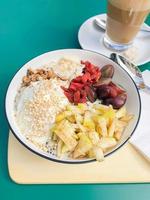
{"x": 86, "y": 77}
{"x": 80, "y": 87}
{"x": 83, "y": 93}
{"x": 83, "y": 100}
{"x": 65, "y": 89}
{"x": 93, "y": 70}
{"x": 90, "y": 93}
{"x": 75, "y": 86}
{"x": 78, "y": 79}
{"x": 69, "y": 95}
{"x": 77, "y": 97}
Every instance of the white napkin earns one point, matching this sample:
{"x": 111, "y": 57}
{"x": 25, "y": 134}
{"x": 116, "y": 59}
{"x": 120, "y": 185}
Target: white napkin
{"x": 141, "y": 138}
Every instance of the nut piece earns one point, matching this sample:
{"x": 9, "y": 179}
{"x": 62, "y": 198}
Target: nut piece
{"x": 37, "y": 75}
{"x": 30, "y": 72}
{"x": 49, "y": 74}
{"x": 26, "y": 81}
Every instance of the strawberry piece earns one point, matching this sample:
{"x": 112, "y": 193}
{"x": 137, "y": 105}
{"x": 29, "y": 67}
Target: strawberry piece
{"x": 86, "y": 77}
{"x": 76, "y": 86}
{"x": 88, "y": 66}
{"x": 90, "y": 94}
{"x": 86, "y": 63}
{"x": 83, "y": 93}
{"x": 64, "y": 89}
{"x": 69, "y": 95}
{"x": 76, "y": 97}
{"x": 72, "y": 87}
{"x": 80, "y": 87}
{"x": 83, "y": 98}
{"x": 78, "y": 79}
{"x": 94, "y": 72}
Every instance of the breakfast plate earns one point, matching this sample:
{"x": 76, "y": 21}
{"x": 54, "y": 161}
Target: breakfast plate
{"x": 90, "y": 37}
{"x": 72, "y": 106}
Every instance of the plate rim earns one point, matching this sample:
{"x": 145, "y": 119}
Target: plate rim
{"x": 58, "y": 160}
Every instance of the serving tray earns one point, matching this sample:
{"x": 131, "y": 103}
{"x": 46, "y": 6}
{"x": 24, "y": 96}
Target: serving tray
{"x": 124, "y": 166}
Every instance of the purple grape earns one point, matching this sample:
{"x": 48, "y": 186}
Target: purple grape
{"x": 102, "y": 81}
{"x": 117, "y": 102}
{"x": 107, "y": 71}
{"x": 103, "y": 91}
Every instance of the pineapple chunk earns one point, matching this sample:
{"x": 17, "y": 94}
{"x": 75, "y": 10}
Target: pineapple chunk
{"x": 79, "y": 118}
{"x": 91, "y": 154}
{"x": 76, "y": 136}
{"x": 88, "y": 122}
{"x": 120, "y": 125}
{"x": 71, "y": 118}
{"x": 111, "y": 128}
{"x": 74, "y": 109}
{"x": 109, "y": 115}
{"x": 96, "y": 118}
{"x": 64, "y": 149}
{"x": 71, "y": 108}
{"x": 94, "y": 137}
{"x": 102, "y": 127}
{"x": 127, "y": 118}
{"x": 98, "y": 153}
{"x": 121, "y": 112}
{"x": 65, "y": 131}
{"x": 82, "y": 128}
{"x": 102, "y": 108}
{"x": 118, "y": 135}
{"x": 82, "y": 107}
{"x": 60, "y": 117}
{"x": 84, "y": 145}
{"x": 106, "y": 143}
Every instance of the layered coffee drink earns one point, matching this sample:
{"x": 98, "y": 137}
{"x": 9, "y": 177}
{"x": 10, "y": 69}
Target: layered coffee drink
{"x": 124, "y": 19}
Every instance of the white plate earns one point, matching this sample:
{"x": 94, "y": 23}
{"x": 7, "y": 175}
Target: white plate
{"x": 90, "y": 37}
{"x": 133, "y": 103}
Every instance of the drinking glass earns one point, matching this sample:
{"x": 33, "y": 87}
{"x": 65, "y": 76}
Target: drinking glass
{"x": 124, "y": 19}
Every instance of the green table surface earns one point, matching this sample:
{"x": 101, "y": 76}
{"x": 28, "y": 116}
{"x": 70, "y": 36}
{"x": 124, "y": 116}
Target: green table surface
{"x": 29, "y": 28}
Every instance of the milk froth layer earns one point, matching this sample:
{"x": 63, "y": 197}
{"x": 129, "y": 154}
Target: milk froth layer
{"x": 135, "y": 5}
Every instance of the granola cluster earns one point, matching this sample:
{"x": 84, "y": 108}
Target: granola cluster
{"x": 37, "y": 75}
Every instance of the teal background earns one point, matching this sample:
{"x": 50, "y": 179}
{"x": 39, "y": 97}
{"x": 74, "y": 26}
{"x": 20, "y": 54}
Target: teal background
{"x": 29, "y": 28}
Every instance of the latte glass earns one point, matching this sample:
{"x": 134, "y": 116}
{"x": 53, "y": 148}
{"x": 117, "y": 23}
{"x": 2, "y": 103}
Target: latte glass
{"x": 124, "y": 19}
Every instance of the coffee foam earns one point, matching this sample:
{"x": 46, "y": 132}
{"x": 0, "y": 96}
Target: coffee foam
{"x": 134, "y": 5}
